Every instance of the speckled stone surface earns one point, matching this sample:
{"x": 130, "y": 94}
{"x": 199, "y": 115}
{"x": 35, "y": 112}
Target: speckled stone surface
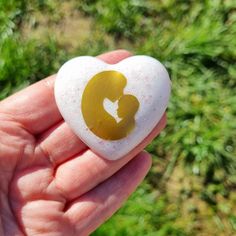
{"x": 147, "y": 80}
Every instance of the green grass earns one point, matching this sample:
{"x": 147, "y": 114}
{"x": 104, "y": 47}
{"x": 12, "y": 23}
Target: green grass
{"x": 19, "y": 59}
{"x": 144, "y": 214}
{"x": 196, "y": 152}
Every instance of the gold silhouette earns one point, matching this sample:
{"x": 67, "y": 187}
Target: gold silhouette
{"x": 110, "y": 85}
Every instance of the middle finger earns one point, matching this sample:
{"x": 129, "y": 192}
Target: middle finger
{"x": 82, "y": 173}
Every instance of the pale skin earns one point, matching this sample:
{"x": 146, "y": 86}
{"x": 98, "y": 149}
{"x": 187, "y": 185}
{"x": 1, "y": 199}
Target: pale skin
{"x": 51, "y": 183}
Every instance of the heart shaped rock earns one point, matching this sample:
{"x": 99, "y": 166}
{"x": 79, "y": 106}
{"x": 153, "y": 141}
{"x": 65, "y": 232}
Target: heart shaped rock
{"x": 112, "y": 108}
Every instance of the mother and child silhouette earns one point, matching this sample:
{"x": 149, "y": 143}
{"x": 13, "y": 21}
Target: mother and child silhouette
{"x": 109, "y": 85}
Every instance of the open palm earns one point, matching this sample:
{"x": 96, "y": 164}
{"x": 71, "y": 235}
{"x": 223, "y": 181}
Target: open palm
{"x": 51, "y": 183}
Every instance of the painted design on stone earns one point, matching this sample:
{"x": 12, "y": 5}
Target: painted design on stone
{"x": 107, "y": 111}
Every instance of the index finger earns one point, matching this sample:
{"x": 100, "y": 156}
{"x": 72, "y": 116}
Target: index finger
{"x": 35, "y": 107}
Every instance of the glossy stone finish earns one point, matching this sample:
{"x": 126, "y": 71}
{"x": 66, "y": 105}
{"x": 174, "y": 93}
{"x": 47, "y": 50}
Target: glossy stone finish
{"x": 116, "y": 116}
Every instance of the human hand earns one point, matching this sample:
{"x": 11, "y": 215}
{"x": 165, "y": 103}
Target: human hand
{"x": 51, "y": 183}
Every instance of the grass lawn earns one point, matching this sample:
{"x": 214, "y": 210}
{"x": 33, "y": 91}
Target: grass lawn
{"x": 190, "y": 189}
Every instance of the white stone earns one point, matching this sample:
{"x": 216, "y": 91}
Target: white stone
{"x": 147, "y": 80}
